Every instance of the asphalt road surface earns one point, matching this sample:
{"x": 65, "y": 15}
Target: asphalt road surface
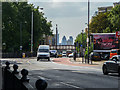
{"x": 68, "y": 77}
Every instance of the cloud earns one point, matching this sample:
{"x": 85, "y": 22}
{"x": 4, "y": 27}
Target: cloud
{"x": 70, "y": 16}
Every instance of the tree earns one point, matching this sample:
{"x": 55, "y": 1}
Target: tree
{"x": 79, "y": 39}
{"x": 17, "y": 18}
{"x": 99, "y": 23}
{"x": 114, "y": 18}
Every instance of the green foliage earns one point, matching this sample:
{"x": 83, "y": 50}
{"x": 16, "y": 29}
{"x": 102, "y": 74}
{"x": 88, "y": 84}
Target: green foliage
{"x": 90, "y": 50}
{"x": 79, "y": 39}
{"x": 17, "y": 15}
{"x": 106, "y": 22}
{"x": 114, "y": 18}
{"x": 99, "y": 23}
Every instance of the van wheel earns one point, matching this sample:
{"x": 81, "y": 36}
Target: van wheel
{"x": 48, "y": 59}
{"x": 37, "y": 59}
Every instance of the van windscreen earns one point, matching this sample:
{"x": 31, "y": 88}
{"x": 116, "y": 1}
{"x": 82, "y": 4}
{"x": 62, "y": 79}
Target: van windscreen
{"x": 43, "y": 50}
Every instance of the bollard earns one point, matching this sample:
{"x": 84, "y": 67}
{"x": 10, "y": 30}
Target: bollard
{"x": 23, "y": 55}
{"x": 24, "y": 73}
{"x": 74, "y": 56}
{"x": 7, "y": 65}
{"x": 15, "y": 67}
{"x": 41, "y": 84}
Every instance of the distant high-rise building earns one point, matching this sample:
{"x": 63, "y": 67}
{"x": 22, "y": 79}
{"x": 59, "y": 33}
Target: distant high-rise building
{"x": 64, "y": 41}
{"x": 53, "y": 40}
{"x": 116, "y": 3}
{"x": 71, "y": 40}
{"x": 68, "y": 42}
{"x": 57, "y": 38}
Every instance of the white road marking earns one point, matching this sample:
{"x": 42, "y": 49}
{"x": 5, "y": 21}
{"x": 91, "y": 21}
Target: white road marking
{"x": 44, "y": 78}
{"x": 73, "y": 86}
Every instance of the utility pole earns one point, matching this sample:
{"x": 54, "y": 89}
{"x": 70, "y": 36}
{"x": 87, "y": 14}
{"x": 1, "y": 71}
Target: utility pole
{"x": 20, "y": 36}
{"x": 88, "y": 29}
{"x": 32, "y": 34}
{"x": 82, "y": 47}
{"x": 20, "y": 39}
{"x": 56, "y": 36}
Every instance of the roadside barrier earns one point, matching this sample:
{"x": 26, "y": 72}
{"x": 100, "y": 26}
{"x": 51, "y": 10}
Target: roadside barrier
{"x": 12, "y": 80}
{"x": 19, "y": 55}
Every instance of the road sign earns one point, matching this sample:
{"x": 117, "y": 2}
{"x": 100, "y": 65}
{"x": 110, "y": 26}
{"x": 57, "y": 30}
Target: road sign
{"x": 20, "y": 47}
{"x": 118, "y": 34}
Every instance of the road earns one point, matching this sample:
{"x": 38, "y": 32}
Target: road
{"x": 67, "y": 76}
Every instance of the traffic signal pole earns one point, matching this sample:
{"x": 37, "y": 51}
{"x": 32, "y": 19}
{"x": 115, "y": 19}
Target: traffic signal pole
{"x": 32, "y": 34}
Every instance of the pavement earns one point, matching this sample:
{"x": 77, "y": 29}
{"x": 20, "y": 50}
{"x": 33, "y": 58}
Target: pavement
{"x": 77, "y": 62}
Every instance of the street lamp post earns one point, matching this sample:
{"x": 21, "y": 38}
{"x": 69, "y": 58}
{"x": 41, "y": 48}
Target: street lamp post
{"x": 56, "y": 36}
{"x": 82, "y": 47}
{"x": 21, "y": 35}
{"x": 88, "y": 29}
{"x": 32, "y": 31}
{"x": 20, "y": 38}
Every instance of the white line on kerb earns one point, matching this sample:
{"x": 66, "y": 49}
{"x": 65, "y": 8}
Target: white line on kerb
{"x": 70, "y": 85}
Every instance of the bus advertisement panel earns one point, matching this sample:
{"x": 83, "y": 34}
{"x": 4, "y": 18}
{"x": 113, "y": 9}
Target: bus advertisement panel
{"x": 105, "y": 41}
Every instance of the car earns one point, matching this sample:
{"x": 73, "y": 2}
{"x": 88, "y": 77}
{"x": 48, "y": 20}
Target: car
{"x": 105, "y": 56}
{"x": 95, "y": 56}
{"x": 112, "y": 65}
{"x": 64, "y": 54}
{"x": 59, "y": 54}
{"x": 68, "y": 52}
{"x": 114, "y": 52}
{"x": 70, "y": 55}
{"x": 53, "y": 53}
{"x": 43, "y": 52}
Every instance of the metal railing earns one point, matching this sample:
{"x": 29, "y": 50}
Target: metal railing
{"x": 12, "y": 80}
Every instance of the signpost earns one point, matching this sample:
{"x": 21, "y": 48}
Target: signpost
{"x": 118, "y": 36}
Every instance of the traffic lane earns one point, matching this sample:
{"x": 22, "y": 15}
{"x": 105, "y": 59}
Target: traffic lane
{"x": 53, "y": 71}
{"x": 81, "y": 66}
{"x": 70, "y": 79}
{"x": 45, "y": 64}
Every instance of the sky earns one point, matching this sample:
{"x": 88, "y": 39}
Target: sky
{"x": 71, "y": 16}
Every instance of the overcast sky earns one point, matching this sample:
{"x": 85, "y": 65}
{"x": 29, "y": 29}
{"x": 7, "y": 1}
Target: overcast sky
{"x": 70, "y": 16}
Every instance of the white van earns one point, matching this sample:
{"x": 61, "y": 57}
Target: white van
{"x": 43, "y": 52}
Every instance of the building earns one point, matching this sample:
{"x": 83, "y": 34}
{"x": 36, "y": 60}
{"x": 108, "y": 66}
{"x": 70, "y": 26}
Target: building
{"x": 57, "y": 38}
{"x": 50, "y": 40}
{"x": 116, "y": 3}
{"x": 108, "y": 8}
{"x": 53, "y": 40}
{"x": 70, "y": 41}
{"x": 67, "y": 42}
{"x": 104, "y": 9}
{"x": 64, "y": 41}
